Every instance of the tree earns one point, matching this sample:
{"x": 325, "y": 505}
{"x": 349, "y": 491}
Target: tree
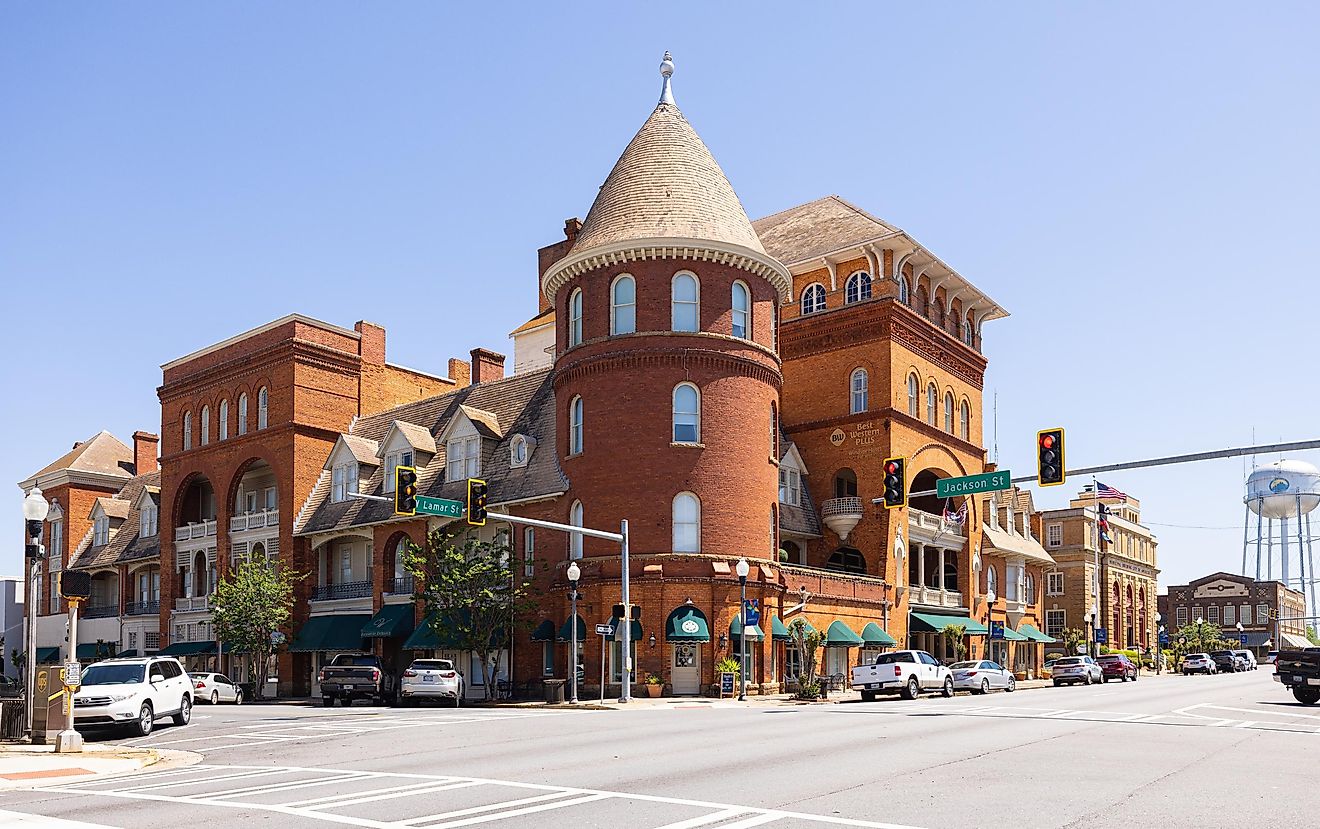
{"x": 953, "y": 637}
{"x": 472, "y": 592}
{"x": 1202, "y": 636}
{"x": 808, "y": 642}
{"x": 1311, "y": 634}
{"x": 1072, "y": 638}
{"x": 250, "y": 606}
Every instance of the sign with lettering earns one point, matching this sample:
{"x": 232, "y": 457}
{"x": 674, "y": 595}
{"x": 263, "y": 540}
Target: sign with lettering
{"x": 838, "y": 436}
{"x": 973, "y": 484}
{"x": 726, "y": 684}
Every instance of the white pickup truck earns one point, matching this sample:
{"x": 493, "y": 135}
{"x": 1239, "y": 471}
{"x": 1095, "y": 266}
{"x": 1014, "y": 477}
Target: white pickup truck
{"x": 907, "y": 672}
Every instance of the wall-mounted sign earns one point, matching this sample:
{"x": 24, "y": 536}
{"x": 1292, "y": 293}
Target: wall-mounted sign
{"x": 837, "y": 437}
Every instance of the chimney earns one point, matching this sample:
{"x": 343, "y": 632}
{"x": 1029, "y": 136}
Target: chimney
{"x": 486, "y": 366}
{"x": 550, "y": 254}
{"x": 460, "y": 372}
{"x": 144, "y": 452}
{"x": 371, "y": 347}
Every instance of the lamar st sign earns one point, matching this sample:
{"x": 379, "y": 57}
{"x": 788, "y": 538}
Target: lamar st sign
{"x": 972, "y": 484}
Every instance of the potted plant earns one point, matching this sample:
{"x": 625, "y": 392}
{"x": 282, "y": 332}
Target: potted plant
{"x": 654, "y": 685}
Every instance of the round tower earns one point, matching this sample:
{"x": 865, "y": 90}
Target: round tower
{"x": 666, "y": 377}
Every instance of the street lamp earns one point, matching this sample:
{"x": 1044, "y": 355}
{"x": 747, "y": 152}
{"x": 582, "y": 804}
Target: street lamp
{"x": 742, "y": 570}
{"x": 574, "y": 573}
{"x": 1093, "y": 617}
{"x": 35, "y": 510}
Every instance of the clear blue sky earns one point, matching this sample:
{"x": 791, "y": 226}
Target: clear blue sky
{"x": 1135, "y": 183}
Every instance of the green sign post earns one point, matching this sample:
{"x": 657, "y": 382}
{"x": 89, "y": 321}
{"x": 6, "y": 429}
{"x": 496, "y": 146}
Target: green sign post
{"x": 953, "y": 487}
{"x": 442, "y": 507}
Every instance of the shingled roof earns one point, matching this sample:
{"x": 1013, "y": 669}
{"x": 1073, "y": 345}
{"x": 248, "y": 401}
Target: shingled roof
{"x": 816, "y": 228}
{"x": 125, "y": 542}
{"x": 525, "y": 402}
{"x": 102, "y": 454}
{"x": 800, "y": 518}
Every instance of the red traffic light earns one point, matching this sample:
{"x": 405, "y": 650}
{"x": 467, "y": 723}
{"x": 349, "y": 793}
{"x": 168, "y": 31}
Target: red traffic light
{"x": 1047, "y": 441}
{"x": 891, "y": 468}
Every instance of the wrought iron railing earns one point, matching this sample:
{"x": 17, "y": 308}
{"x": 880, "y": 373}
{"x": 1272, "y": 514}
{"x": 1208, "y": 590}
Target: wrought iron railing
{"x": 142, "y": 608}
{"x": 346, "y": 590}
{"x": 100, "y": 611}
{"x": 403, "y": 585}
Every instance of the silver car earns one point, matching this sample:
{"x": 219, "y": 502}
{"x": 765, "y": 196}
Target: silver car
{"x": 431, "y": 679}
{"x": 1076, "y": 669}
{"x": 981, "y": 677}
{"x": 215, "y": 688}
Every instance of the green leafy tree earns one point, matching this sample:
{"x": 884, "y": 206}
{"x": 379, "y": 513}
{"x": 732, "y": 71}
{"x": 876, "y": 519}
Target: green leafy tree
{"x": 472, "y": 592}
{"x": 954, "y": 636}
{"x": 1072, "y": 638}
{"x": 808, "y": 642}
{"x": 250, "y": 605}
{"x": 1202, "y": 636}
{"x": 1310, "y": 634}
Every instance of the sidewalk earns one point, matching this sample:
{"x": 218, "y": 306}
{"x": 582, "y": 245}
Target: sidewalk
{"x": 24, "y": 766}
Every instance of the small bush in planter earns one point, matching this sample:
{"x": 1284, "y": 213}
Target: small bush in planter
{"x": 727, "y": 665}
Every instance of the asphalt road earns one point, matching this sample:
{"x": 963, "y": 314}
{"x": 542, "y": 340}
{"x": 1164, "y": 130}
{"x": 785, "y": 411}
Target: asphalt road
{"x": 1166, "y": 751}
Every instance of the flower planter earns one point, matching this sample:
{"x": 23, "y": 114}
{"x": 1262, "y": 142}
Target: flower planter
{"x": 654, "y": 690}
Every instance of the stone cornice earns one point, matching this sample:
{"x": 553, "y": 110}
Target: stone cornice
{"x": 643, "y": 358}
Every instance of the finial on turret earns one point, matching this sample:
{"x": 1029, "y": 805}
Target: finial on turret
{"x": 666, "y": 70}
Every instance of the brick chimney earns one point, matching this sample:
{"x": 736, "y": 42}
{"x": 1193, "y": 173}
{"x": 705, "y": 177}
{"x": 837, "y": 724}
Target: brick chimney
{"x": 371, "y": 347}
{"x": 486, "y": 366}
{"x": 144, "y": 452}
{"x": 460, "y": 371}
{"x": 550, "y": 254}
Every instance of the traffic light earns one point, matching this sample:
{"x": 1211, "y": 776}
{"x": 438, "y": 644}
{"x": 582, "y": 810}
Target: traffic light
{"x": 405, "y": 490}
{"x": 895, "y": 482}
{"x": 76, "y": 584}
{"x": 635, "y": 616}
{"x": 1049, "y": 457}
{"x": 476, "y": 502}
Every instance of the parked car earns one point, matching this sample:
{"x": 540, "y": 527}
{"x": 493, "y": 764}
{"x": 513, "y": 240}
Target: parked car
{"x": 1116, "y": 666}
{"x": 1226, "y": 661}
{"x": 981, "y": 677}
{"x": 1271, "y": 657}
{"x": 431, "y": 679}
{"x": 1299, "y": 671}
{"x": 1198, "y": 663}
{"x": 11, "y": 688}
{"x": 215, "y": 689}
{"x": 1071, "y": 670}
{"x": 905, "y": 672}
{"x": 351, "y": 676}
{"x": 133, "y": 693}
{"x": 1248, "y": 658}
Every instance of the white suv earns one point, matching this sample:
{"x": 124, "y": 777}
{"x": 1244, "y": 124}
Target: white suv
{"x": 133, "y": 693}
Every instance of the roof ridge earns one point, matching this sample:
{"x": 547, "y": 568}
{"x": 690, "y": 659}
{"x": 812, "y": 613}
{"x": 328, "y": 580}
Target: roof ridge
{"x": 796, "y": 207}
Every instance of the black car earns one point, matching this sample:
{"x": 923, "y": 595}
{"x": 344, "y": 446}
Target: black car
{"x": 1226, "y": 661}
{"x": 10, "y": 688}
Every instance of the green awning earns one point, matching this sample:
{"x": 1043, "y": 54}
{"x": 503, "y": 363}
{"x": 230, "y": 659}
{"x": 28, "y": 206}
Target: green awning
{"x": 186, "y": 648}
{"x": 634, "y": 630}
{"x": 839, "y": 635}
{"x": 754, "y": 632}
{"x": 778, "y": 632}
{"x": 687, "y": 624}
{"x": 330, "y": 633}
{"x": 90, "y": 651}
{"x": 1011, "y": 635}
{"x": 935, "y": 622}
{"x": 1033, "y": 633}
{"x": 875, "y": 637}
{"x": 436, "y": 632}
{"x": 48, "y": 656}
{"x": 392, "y": 620}
{"x": 545, "y": 632}
{"x": 566, "y": 630}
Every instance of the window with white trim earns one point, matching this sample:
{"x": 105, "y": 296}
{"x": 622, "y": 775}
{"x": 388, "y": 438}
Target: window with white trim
{"x": 913, "y": 386}
{"x": 687, "y": 523}
{"x": 859, "y": 391}
{"x": 685, "y": 302}
{"x": 623, "y": 305}
{"x": 991, "y": 581}
{"x": 242, "y": 414}
{"x": 1230, "y": 615}
{"x": 1212, "y": 614}
{"x": 576, "y": 517}
{"x": 857, "y": 288}
{"x": 964, "y": 420}
{"x": 1029, "y": 588}
{"x": 1053, "y": 535}
{"x": 575, "y": 317}
{"x": 393, "y": 461}
{"x": 1263, "y": 615}
{"x": 344, "y": 481}
{"x": 575, "y": 426}
{"x": 790, "y": 486}
{"x": 1181, "y": 616}
{"x": 813, "y": 298}
{"x": 687, "y": 414}
{"x": 948, "y": 412}
{"x": 206, "y": 425}
{"x": 56, "y": 549}
{"x": 463, "y": 458}
{"x": 222, "y": 429}
{"x": 741, "y": 306}
{"x": 1054, "y": 583}
{"x": 1055, "y": 622}
{"x": 263, "y": 407}
{"x": 1245, "y": 610}
{"x": 187, "y": 431}
{"x": 100, "y": 531}
{"x": 529, "y": 552}
{"x": 932, "y": 404}
{"x": 903, "y": 296}
{"x": 148, "y": 520}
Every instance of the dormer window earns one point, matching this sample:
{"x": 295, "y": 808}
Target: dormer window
{"x": 790, "y": 486}
{"x": 463, "y": 456}
{"x": 520, "y": 451}
{"x": 148, "y": 519}
{"x": 101, "y": 531}
{"x": 344, "y": 480}
{"x": 392, "y": 461}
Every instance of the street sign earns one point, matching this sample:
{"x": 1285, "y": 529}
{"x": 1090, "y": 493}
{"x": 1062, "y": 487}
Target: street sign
{"x": 972, "y": 484}
{"x": 996, "y": 630}
{"x": 605, "y": 630}
{"x": 443, "y": 507}
{"x": 72, "y": 674}
{"x": 1242, "y": 637}
{"x": 1101, "y": 636}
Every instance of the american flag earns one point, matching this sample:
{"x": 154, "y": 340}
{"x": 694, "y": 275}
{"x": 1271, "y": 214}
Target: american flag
{"x": 1107, "y": 491}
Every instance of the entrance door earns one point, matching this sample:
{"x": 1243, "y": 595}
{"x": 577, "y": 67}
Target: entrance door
{"x": 685, "y": 670}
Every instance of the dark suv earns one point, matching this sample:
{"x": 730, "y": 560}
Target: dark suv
{"x": 1117, "y": 666}
{"x": 1226, "y": 661}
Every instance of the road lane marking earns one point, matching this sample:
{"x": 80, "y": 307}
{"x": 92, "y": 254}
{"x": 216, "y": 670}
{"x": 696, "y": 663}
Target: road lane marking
{"x": 754, "y": 820}
{"x": 376, "y": 795}
{"x": 488, "y": 807}
{"x": 342, "y": 796}
{"x": 295, "y": 784}
{"x": 705, "y": 820}
{"x": 526, "y": 810}
{"x": 201, "y": 780}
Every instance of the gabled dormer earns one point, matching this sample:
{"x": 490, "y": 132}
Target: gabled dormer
{"x": 352, "y": 462}
{"x": 405, "y": 444}
{"x": 106, "y": 516}
{"x": 466, "y": 437}
{"x": 148, "y": 507}
{"x": 521, "y": 448}
{"x": 792, "y": 469}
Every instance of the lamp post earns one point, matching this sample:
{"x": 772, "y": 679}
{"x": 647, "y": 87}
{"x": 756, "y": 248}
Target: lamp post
{"x": 574, "y": 573}
{"x": 35, "y": 510}
{"x": 1159, "y": 641}
{"x": 1092, "y": 618}
{"x": 742, "y": 570}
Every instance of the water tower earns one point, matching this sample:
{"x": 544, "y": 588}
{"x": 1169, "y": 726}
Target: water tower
{"x": 1282, "y": 496}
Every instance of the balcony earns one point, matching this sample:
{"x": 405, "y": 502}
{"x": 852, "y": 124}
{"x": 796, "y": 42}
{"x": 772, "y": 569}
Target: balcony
{"x": 142, "y": 608}
{"x": 401, "y": 586}
{"x": 346, "y": 590}
{"x": 936, "y": 596}
{"x": 192, "y": 603}
{"x": 841, "y": 515}
{"x": 255, "y": 520}
{"x": 191, "y": 532}
{"x": 100, "y": 611}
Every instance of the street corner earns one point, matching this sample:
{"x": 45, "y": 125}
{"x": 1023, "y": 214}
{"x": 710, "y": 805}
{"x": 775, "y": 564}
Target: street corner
{"x": 25, "y": 766}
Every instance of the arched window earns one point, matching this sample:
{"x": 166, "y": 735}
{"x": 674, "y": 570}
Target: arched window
{"x": 687, "y": 523}
{"x": 951, "y": 575}
{"x": 964, "y": 418}
{"x": 623, "y": 306}
{"x": 948, "y": 412}
{"x": 845, "y": 483}
{"x": 742, "y": 310}
{"x": 223, "y": 428}
{"x": 991, "y": 581}
{"x": 913, "y": 391}
{"x": 206, "y": 425}
{"x": 932, "y": 404}
{"x": 242, "y": 413}
{"x": 857, "y": 288}
{"x": 575, "y": 518}
{"x": 903, "y": 291}
{"x": 685, "y": 300}
{"x": 1031, "y": 589}
{"x": 187, "y": 430}
{"x": 847, "y": 560}
{"x": 687, "y": 414}
{"x": 263, "y": 407}
{"x": 967, "y": 332}
{"x": 858, "y": 386}
{"x": 575, "y": 317}
{"x": 400, "y": 565}
{"x": 774, "y": 431}
{"x": 813, "y": 298}
{"x": 575, "y": 426}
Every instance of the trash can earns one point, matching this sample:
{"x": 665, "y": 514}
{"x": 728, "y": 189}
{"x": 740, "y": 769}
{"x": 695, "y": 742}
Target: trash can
{"x": 554, "y": 690}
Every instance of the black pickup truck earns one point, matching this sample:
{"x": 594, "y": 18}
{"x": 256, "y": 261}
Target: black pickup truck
{"x": 1299, "y": 671}
{"x": 356, "y": 676}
